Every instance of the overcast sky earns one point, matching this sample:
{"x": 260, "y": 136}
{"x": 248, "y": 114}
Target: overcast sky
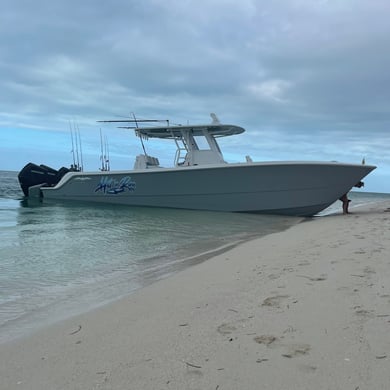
{"x": 307, "y": 79}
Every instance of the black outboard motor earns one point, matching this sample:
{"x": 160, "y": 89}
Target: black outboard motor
{"x": 33, "y": 174}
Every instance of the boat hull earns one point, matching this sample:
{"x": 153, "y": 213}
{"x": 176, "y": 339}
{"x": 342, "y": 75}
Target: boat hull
{"x": 288, "y": 188}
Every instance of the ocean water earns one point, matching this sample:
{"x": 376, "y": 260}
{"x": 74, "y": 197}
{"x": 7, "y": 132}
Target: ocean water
{"x": 60, "y": 259}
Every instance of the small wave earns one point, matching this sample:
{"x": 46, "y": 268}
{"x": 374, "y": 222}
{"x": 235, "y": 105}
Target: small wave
{"x": 9, "y": 185}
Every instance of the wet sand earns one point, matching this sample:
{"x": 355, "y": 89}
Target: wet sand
{"x": 307, "y": 308}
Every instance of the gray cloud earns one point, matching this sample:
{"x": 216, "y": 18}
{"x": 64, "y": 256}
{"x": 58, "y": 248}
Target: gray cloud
{"x": 312, "y": 71}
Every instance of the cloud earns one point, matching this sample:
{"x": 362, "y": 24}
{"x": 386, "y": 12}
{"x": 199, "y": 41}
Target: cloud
{"x": 273, "y": 90}
{"x": 303, "y": 70}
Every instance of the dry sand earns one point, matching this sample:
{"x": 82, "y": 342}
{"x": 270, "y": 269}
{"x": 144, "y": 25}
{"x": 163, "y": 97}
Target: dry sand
{"x": 308, "y": 308}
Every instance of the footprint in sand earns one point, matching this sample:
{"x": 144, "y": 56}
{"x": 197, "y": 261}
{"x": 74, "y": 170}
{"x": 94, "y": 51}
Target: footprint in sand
{"x": 265, "y": 339}
{"x": 360, "y": 252}
{"x": 274, "y": 301}
{"x": 226, "y": 329}
{"x": 363, "y": 312}
{"x": 314, "y": 278}
{"x": 294, "y": 350}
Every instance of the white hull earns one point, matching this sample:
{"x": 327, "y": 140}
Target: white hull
{"x": 290, "y": 188}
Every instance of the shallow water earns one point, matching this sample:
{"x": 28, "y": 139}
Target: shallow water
{"x": 59, "y": 259}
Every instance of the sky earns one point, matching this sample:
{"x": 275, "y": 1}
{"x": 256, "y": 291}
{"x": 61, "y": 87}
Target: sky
{"x": 307, "y": 79}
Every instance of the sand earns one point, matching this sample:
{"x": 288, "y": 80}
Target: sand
{"x": 308, "y": 308}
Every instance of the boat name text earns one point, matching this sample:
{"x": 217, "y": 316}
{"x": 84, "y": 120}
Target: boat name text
{"x": 109, "y": 185}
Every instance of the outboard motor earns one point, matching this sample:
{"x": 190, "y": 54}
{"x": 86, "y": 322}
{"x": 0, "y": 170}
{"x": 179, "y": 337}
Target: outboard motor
{"x": 33, "y": 174}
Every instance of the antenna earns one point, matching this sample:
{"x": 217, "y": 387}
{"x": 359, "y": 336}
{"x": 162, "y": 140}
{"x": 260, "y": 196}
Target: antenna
{"x": 142, "y": 142}
{"x": 134, "y": 120}
{"x": 215, "y": 119}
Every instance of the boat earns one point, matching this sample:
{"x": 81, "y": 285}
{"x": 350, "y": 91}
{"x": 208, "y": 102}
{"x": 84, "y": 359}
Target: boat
{"x": 201, "y": 179}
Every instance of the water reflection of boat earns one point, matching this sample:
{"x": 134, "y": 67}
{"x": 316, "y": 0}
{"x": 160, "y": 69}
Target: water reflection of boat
{"x": 202, "y": 180}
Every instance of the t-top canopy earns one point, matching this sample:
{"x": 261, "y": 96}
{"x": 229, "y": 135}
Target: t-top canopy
{"x": 174, "y": 132}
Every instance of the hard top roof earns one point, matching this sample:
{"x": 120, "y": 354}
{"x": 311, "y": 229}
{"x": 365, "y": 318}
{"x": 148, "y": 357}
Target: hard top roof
{"x": 171, "y": 132}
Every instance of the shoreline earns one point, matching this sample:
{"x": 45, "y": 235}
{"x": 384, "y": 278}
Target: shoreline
{"x": 94, "y": 293}
{"x": 308, "y": 307}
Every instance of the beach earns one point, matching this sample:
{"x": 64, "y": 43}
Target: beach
{"x": 305, "y": 308}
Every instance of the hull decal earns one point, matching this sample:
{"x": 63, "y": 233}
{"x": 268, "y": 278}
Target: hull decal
{"x": 112, "y": 186}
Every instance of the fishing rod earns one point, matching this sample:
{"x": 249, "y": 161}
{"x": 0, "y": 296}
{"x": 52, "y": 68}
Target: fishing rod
{"x": 81, "y": 167}
{"x": 101, "y": 150}
{"x": 71, "y": 136}
{"x": 107, "y": 153}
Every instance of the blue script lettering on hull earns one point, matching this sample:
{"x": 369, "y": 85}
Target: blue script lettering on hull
{"x": 113, "y": 186}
